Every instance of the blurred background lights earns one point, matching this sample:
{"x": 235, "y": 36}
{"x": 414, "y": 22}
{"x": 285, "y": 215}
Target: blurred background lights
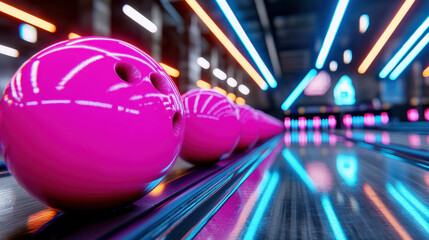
{"x": 231, "y": 96}
{"x": 385, "y": 36}
{"x": 220, "y": 90}
{"x": 240, "y": 101}
{"x": 203, "y": 63}
{"x": 203, "y": 84}
{"x": 229, "y": 14}
{"x": 8, "y": 51}
{"x": 333, "y": 66}
{"x": 404, "y": 49}
{"x": 344, "y": 92}
{"x": 426, "y": 72}
{"x": 347, "y": 56}
{"x": 243, "y": 89}
{"x": 318, "y": 85}
{"x": 139, "y": 18}
{"x": 413, "y": 115}
{"x": 26, "y": 17}
{"x": 363, "y": 23}
{"x": 74, "y": 35}
{"x": 332, "y": 31}
{"x": 231, "y": 82}
{"x": 28, "y": 33}
{"x": 219, "y": 74}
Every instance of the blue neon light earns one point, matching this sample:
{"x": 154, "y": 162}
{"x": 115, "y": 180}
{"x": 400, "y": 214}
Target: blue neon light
{"x": 229, "y": 14}
{"x": 411, "y": 198}
{"x": 262, "y": 206}
{"x": 409, "y": 58}
{"x": 290, "y": 158}
{"x": 310, "y": 123}
{"x": 333, "y": 220}
{"x": 332, "y": 31}
{"x": 404, "y": 49}
{"x": 347, "y": 167}
{"x": 404, "y": 203}
{"x": 298, "y": 90}
{"x": 344, "y": 92}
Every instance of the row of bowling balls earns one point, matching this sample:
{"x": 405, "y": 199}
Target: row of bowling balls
{"x": 96, "y": 123}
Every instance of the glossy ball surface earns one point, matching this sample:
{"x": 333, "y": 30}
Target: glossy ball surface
{"x": 212, "y": 126}
{"x": 269, "y": 126}
{"x": 249, "y": 127}
{"x": 90, "y": 123}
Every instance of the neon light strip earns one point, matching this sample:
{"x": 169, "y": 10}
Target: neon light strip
{"x": 426, "y": 72}
{"x": 409, "y": 58}
{"x": 26, "y": 17}
{"x": 290, "y": 158}
{"x": 262, "y": 206}
{"x": 248, "y": 207}
{"x": 411, "y": 198}
{"x": 227, "y": 44}
{"x": 372, "y": 195}
{"x": 405, "y": 204}
{"x": 139, "y": 18}
{"x": 332, "y": 31}
{"x": 333, "y": 220}
{"x": 229, "y": 14}
{"x": 8, "y": 51}
{"x": 298, "y": 90}
{"x": 170, "y": 70}
{"x": 404, "y": 49}
{"x": 385, "y": 36}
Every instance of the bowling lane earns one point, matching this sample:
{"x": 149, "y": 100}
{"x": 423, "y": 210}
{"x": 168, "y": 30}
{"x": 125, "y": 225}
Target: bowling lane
{"x": 25, "y": 217}
{"x": 320, "y": 187}
{"x": 419, "y": 141}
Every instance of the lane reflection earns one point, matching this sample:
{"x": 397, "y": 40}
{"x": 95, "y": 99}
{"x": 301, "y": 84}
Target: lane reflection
{"x": 402, "y": 201}
{"x": 347, "y": 167}
{"x": 372, "y": 195}
{"x": 324, "y": 198}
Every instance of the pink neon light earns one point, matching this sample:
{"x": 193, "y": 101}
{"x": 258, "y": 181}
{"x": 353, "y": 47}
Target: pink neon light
{"x": 413, "y": 115}
{"x": 347, "y": 120}
{"x": 332, "y": 140}
{"x": 322, "y": 177}
{"x": 385, "y": 117}
{"x": 369, "y": 137}
{"x": 414, "y": 140}
{"x": 287, "y": 139}
{"x": 287, "y": 123}
{"x": 385, "y": 138}
{"x": 349, "y": 144}
{"x": 349, "y": 133}
{"x": 317, "y": 138}
{"x": 302, "y": 138}
{"x": 427, "y": 114}
{"x": 318, "y": 85}
{"x": 368, "y": 119}
{"x": 302, "y": 123}
{"x": 316, "y": 122}
{"x": 332, "y": 121}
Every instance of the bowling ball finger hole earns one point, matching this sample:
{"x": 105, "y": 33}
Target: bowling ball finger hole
{"x": 127, "y": 72}
{"x": 177, "y": 123}
{"x": 159, "y": 83}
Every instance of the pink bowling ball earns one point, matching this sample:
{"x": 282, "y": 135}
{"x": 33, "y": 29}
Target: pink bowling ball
{"x": 249, "y": 127}
{"x": 212, "y": 127}
{"x": 90, "y": 124}
{"x": 269, "y": 126}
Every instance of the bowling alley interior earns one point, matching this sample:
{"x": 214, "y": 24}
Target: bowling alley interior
{"x": 214, "y": 119}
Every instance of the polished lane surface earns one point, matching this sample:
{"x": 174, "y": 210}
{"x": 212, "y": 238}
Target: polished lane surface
{"x": 312, "y": 185}
{"x": 414, "y": 140}
{"x": 327, "y": 189}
